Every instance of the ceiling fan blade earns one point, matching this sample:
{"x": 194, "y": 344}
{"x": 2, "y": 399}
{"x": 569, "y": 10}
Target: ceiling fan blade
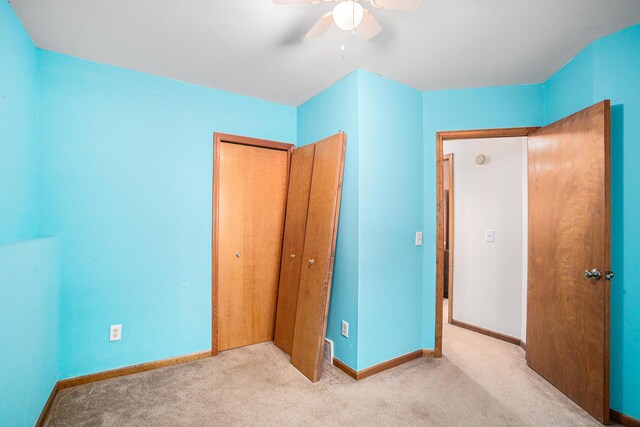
{"x": 369, "y": 27}
{"x": 321, "y": 27}
{"x": 397, "y": 4}
{"x": 285, "y": 2}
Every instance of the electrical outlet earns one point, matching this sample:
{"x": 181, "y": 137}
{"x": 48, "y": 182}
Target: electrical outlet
{"x": 116, "y": 333}
{"x": 345, "y": 329}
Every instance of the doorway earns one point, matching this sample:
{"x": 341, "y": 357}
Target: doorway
{"x": 448, "y": 169}
{"x": 568, "y": 246}
{"x": 445, "y": 227}
{"x": 486, "y": 256}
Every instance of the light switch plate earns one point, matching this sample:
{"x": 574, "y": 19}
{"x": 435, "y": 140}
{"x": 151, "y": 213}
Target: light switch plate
{"x": 418, "y": 238}
{"x": 488, "y": 235}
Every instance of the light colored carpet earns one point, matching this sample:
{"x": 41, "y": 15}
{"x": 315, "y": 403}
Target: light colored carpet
{"x": 479, "y": 382}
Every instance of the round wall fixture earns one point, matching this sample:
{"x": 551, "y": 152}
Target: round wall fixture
{"x": 480, "y": 158}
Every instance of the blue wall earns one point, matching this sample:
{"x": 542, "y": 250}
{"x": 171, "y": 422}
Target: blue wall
{"x": 378, "y": 269}
{"x": 126, "y": 164}
{"x": 493, "y": 107}
{"x": 29, "y": 292}
{"x": 610, "y": 69}
{"x": 29, "y": 314}
{"x": 391, "y": 211}
{"x": 333, "y": 110}
{"x": 18, "y": 129}
{"x": 571, "y": 88}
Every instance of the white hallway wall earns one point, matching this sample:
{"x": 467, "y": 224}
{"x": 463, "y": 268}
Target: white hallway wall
{"x": 489, "y": 288}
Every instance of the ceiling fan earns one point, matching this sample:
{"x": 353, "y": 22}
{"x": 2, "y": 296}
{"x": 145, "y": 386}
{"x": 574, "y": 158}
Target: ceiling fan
{"x": 350, "y": 15}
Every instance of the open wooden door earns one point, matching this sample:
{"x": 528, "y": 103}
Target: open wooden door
{"x": 569, "y": 257}
{"x": 318, "y": 256}
{"x": 295, "y": 227}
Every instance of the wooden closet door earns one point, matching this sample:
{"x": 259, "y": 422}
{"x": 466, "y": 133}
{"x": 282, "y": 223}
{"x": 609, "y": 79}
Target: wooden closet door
{"x": 293, "y": 244}
{"x": 318, "y": 255}
{"x": 251, "y": 197}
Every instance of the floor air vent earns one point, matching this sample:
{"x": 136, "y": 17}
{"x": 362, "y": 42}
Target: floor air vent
{"x": 328, "y": 351}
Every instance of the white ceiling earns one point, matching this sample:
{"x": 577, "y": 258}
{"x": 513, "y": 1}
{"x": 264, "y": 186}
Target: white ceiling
{"x": 254, "y": 48}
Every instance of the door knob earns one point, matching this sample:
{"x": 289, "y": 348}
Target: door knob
{"x": 292, "y": 256}
{"x": 593, "y": 274}
{"x": 312, "y": 261}
{"x": 238, "y": 254}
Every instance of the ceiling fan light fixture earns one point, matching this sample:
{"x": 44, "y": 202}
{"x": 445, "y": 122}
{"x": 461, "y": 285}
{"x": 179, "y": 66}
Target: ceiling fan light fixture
{"x": 348, "y": 14}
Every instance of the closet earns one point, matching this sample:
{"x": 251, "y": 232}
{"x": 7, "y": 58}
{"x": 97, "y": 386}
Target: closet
{"x": 275, "y": 222}
{"x": 251, "y": 206}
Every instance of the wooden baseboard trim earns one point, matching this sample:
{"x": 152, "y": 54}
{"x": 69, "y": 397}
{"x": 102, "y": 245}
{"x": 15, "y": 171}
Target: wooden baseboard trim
{"x": 47, "y": 405}
{"x": 380, "y": 367}
{"x": 345, "y": 368}
{"x": 134, "y": 369}
{"x": 114, "y": 373}
{"x": 523, "y": 345}
{"x": 428, "y": 353}
{"x": 492, "y": 334}
{"x": 623, "y": 419}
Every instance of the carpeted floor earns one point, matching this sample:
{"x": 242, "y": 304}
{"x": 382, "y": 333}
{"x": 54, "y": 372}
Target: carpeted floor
{"x": 480, "y": 381}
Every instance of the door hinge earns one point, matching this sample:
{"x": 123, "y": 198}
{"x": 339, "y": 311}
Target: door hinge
{"x": 608, "y": 275}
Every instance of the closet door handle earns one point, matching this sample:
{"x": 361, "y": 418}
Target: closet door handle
{"x": 238, "y": 254}
{"x": 292, "y": 256}
{"x": 312, "y": 261}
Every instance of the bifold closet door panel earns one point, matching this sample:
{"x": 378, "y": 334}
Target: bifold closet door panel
{"x": 318, "y": 254}
{"x": 252, "y": 196}
{"x": 293, "y": 244}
